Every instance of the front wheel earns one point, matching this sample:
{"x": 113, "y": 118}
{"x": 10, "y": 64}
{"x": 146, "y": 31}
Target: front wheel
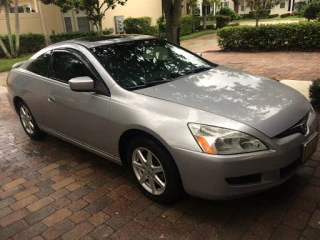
{"x": 28, "y": 123}
{"x": 155, "y": 170}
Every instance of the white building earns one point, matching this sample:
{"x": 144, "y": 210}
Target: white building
{"x": 285, "y": 6}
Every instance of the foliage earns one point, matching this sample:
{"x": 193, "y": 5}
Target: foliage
{"x": 228, "y": 12}
{"x": 285, "y": 15}
{"x": 302, "y": 10}
{"x": 249, "y": 15}
{"x": 73, "y": 35}
{"x": 312, "y": 10}
{"x": 13, "y": 45}
{"x": 314, "y": 93}
{"x": 273, "y": 15}
{"x": 186, "y": 25}
{"x": 294, "y": 36}
{"x": 299, "y": 5}
{"x": 222, "y": 21}
{"x": 140, "y": 25}
{"x": 95, "y": 9}
{"x": 29, "y": 43}
{"x": 259, "y": 6}
{"x": 6, "y": 64}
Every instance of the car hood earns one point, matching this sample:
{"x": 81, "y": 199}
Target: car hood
{"x": 264, "y": 104}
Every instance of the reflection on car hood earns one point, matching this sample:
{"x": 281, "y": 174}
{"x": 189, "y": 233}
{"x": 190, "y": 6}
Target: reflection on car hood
{"x": 266, "y": 105}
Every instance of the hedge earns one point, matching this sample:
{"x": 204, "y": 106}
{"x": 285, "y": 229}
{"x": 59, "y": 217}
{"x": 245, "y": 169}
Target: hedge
{"x": 29, "y": 43}
{"x": 73, "y": 35}
{"x": 314, "y": 93}
{"x": 222, "y": 21}
{"x": 185, "y": 25}
{"x": 140, "y": 25}
{"x": 294, "y": 36}
{"x": 285, "y": 15}
{"x": 273, "y": 15}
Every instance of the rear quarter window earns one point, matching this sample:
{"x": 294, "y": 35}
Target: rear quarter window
{"x": 41, "y": 65}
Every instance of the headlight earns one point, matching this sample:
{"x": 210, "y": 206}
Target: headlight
{"x": 215, "y": 140}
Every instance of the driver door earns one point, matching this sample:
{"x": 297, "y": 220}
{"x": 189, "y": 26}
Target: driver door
{"x": 82, "y": 117}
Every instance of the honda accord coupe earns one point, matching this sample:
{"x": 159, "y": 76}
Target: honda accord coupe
{"x": 178, "y": 121}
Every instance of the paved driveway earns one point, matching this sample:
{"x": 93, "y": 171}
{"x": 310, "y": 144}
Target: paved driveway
{"x": 281, "y": 65}
{"x": 53, "y": 190}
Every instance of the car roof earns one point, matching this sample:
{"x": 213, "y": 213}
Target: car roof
{"x": 96, "y": 41}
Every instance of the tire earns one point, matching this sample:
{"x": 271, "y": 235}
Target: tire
{"x": 163, "y": 171}
{"x": 28, "y": 123}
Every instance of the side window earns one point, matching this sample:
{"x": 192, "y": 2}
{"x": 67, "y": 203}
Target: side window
{"x": 66, "y": 66}
{"x": 40, "y": 65}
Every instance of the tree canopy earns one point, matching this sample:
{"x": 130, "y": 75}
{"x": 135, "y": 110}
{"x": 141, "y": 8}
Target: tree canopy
{"x": 95, "y": 9}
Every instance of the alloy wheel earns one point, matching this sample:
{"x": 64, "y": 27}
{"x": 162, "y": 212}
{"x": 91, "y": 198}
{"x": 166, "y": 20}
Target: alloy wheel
{"x": 26, "y": 120}
{"x": 149, "y": 171}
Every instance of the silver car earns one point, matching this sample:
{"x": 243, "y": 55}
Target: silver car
{"x": 178, "y": 121}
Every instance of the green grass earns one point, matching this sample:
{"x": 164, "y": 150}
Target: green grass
{"x": 197, "y": 34}
{"x": 6, "y": 64}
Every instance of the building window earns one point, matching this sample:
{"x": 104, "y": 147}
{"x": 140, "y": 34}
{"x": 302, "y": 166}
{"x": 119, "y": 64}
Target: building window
{"x": 67, "y": 21}
{"x": 83, "y": 24}
{"x": 225, "y": 4}
{"x": 242, "y": 8}
{"x": 282, "y": 4}
{"x": 22, "y": 9}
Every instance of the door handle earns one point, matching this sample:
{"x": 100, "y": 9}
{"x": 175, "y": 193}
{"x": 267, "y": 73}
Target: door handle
{"x": 51, "y": 99}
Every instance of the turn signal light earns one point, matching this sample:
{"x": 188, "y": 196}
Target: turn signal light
{"x": 205, "y": 145}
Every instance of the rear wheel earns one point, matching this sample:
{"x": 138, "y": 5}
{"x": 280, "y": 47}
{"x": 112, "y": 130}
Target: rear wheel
{"x": 154, "y": 170}
{"x": 28, "y": 123}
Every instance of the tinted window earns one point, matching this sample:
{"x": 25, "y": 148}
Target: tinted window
{"x": 66, "y": 66}
{"x": 141, "y": 62}
{"x": 40, "y": 66}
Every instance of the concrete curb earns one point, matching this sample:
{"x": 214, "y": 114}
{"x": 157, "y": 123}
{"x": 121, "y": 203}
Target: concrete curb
{"x": 300, "y": 86}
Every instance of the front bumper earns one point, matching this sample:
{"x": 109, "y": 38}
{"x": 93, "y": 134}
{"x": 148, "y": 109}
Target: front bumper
{"x": 228, "y": 176}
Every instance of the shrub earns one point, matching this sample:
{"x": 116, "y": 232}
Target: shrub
{"x": 247, "y": 16}
{"x": 265, "y": 14}
{"x": 210, "y": 27}
{"x": 73, "y": 35}
{"x": 314, "y": 93}
{"x": 312, "y": 10}
{"x": 162, "y": 29}
{"x": 293, "y": 36}
{"x": 285, "y": 15}
{"x": 228, "y": 12}
{"x": 302, "y": 11}
{"x": 186, "y": 25}
{"x": 29, "y": 43}
{"x": 273, "y": 15}
{"x": 222, "y": 21}
{"x": 140, "y": 25}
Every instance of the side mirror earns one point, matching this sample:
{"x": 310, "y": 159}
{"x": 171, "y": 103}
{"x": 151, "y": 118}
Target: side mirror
{"x": 199, "y": 53}
{"x": 81, "y": 84}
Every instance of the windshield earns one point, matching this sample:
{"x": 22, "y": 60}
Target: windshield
{"x": 147, "y": 62}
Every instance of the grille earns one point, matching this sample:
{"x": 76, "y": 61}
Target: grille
{"x": 300, "y": 127}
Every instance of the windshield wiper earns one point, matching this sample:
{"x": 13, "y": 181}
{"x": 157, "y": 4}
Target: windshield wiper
{"x": 155, "y": 82}
{"x": 197, "y": 70}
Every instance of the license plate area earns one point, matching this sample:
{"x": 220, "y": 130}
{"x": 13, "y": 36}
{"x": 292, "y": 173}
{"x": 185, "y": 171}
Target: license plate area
{"x": 309, "y": 148}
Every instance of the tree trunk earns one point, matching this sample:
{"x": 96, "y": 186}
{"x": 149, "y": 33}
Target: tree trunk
{"x": 172, "y": 12}
{"x": 193, "y": 19}
{"x": 205, "y": 18}
{"x": 16, "y": 12}
{"x": 6, "y": 9}
{"x": 257, "y": 18}
{"x": 5, "y": 50}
